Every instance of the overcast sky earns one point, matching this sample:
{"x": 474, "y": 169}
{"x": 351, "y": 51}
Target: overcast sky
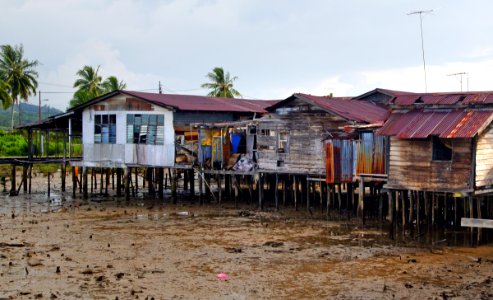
{"x": 275, "y": 47}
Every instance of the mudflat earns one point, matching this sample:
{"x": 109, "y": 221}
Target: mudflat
{"x": 105, "y": 248}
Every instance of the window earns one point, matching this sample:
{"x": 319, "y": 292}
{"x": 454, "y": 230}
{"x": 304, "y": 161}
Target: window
{"x": 282, "y": 141}
{"x": 105, "y": 129}
{"x": 145, "y": 129}
{"x": 442, "y": 149}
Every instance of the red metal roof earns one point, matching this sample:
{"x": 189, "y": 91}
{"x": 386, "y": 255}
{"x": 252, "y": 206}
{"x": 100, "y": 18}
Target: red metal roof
{"x": 354, "y": 110}
{"x": 203, "y": 103}
{"x": 443, "y": 98}
{"x": 419, "y": 124}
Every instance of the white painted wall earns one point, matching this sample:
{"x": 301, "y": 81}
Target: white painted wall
{"x": 121, "y": 152}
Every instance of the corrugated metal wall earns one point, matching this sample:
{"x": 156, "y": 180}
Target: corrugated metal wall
{"x": 339, "y": 161}
{"x": 371, "y": 154}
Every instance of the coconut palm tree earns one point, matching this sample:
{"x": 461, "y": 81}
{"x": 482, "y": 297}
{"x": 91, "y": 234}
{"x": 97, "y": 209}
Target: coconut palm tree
{"x": 221, "y": 84}
{"x": 4, "y": 95}
{"x": 89, "y": 81}
{"x": 112, "y": 84}
{"x": 19, "y": 73}
{"x": 79, "y": 98}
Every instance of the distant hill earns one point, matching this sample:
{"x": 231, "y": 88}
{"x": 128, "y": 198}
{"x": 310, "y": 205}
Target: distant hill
{"x": 29, "y": 114}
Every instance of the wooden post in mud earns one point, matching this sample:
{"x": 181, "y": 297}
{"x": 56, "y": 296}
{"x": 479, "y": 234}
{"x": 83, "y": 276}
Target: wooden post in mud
{"x": 418, "y": 210}
{"x": 307, "y": 189}
{"x": 49, "y": 184}
{"x": 219, "y": 188}
{"x": 260, "y": 191}
{"x": 150, "y": 180}
{"x": 339, "y": 196}
{"x": 136, "y": 180}
{"x": 24, "y": 178}
{"x": 74, "y": 182}
{"x": 13, "y": 181}
{"x": 84, "y": 182}
{"x": 119, "y": 182}
{"x": 328, "y": 200}
{"x": 127, "y": 174}
{"x": 295, "y": 192}
{"x": 107, "y": 178}
{"x": 411, "y": 209}
{"x": 427, "y": 207}
{"x": 403, "y": 208}
{"x": 160, "y": 189}
{"x": 191, "y": 176}
{"x": 361, "y": 199}
{"x": 433, "y": 200}
{"x": 200, "y": 173}
{"x": 63, "y": 175}
{"x": 101, "y": 180}
{"x": 174, "y": 181}
{"x": 276, "y": 194}
{"x": 285, "y": 187}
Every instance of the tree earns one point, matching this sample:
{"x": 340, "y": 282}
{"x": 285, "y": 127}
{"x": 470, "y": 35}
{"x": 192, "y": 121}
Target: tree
{"x": 112, "y": 84}
{"x": 89, "y": 81}
{"x": 79, "y": 98}
{"x": 4, "y": 95}
{"x": 19, "y": 73}
{"x": 221, "y": 84}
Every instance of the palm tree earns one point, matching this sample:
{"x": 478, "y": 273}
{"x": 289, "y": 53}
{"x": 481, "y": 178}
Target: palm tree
{"x": 89, "y": 81}
{"x": 79, "y": 98}
{"x": 112, "y": 84}
{"x": 19, "y": 73}
{"x": 221, "y": 84}
{"x": 4, "y": 95}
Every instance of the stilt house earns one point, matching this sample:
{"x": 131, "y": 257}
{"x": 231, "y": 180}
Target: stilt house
{"x": 441, "y": 142}
{"x": 321, "y": 136}
{"x": 136, "y": 128}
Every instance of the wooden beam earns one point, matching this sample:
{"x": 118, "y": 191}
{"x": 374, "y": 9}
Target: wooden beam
{"x": 478, "y": 223}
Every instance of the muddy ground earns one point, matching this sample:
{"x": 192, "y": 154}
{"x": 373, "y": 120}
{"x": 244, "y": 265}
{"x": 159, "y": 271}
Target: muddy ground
{"x": 108, "y": 249}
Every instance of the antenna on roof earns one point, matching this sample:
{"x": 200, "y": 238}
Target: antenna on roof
{"x": 160, "y": 89}
{"x": 460, "y": 74}
{"x": 421, "y": 12}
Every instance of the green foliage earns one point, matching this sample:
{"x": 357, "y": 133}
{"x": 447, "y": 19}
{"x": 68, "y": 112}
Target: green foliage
{"x": 12, "y": 144}
{"x": 5, "y": 97}
{"x": 19, "y": 73}
{"x": 91, "y": 85}
{"x": 221, "y": 84}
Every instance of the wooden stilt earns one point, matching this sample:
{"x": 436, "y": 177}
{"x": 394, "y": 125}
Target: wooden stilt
{"x": 411, "y": 208}
{"x": 30, "y": 176}
{"x": 433, "y": 202}
{"x": 328, "y": 200}
{"x": 24, "y": 178}
{"x": 276, "y": 194}
{"x": 84, "y": 182}
{"x": 260, "y": 191}
{"x": 119, "y": 182}
{"x": 74, "y": 182}
{"x": 160, "y": 175}
{"x": 339, "y": 197}
{"x": 285, "y": 186}
{"x": 219, "y": 188}
{"x": 427, "y": 207}
{"x": 403, "y": 208}
{"x": 101, "y": 173}
{"x": 307, "y": 194}
{"x": 418, "y": 211}
{"x": 296, "y": 188}
{"x": 174, "y": 182}
{"x": 136, "y": 184}
{"x": 49, "y": 184}
{"x": 64, "y": 175}
{"x": 13, "y": 181}
{"x": 320, "y": 193}
{"x": 201, "y": 183}
{"x": 112, "y": 170}
{"x": 380, "y": 205}
{"x": 391, "y": 213}
{"x": 127, "y": 174}
{"x": 361, "y": 197}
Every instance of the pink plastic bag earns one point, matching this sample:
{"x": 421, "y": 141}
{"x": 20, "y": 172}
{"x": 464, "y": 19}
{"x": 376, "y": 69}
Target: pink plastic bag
{"x": 222, "y": 276}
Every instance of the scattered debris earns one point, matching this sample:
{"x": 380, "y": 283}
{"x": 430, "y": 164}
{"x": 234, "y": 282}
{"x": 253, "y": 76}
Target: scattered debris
{"x": 222, "y": 276}
{"x": 233, "y": 250}
{"x": 273, "y": 244}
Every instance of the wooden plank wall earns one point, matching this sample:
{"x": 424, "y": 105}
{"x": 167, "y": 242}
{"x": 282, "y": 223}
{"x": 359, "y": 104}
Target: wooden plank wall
{"x": 484, "y": 158}
{"x": 305, "y": 151}
{"x": 411, "y": 166}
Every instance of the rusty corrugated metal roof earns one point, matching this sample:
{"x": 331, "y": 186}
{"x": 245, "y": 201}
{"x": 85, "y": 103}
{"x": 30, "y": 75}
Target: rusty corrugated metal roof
{"x": 418, "y": 124}
{"x": 451, "y": 98}
{"x": 203, "y": 103}
{"x": 354, "y": 110}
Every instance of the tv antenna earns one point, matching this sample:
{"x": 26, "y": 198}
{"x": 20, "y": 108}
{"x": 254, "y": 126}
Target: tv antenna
{"x": 459, "y": 75}
{"x": 420, "y": 13}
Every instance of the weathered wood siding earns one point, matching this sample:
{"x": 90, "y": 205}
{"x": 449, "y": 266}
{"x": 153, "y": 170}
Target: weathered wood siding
{"x": 411, "y": 166}
{"x": 484, "y": 158}
{"x": 305, "y": 151}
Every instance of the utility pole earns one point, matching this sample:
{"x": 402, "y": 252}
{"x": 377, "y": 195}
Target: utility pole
{"x": 160, "y": 89}
{"x": 460, "y": 74}
{"x": 421, "y": 12}
{"x": 39, "y": 107}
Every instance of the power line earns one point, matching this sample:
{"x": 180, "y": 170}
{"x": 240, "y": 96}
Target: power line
{"x": 421, "y": 12}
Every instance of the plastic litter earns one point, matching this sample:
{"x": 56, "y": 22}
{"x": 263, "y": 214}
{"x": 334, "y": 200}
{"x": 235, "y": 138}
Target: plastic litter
{"x": 222, "y": 276}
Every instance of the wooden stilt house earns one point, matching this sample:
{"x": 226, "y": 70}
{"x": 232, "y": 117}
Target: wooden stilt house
{"x": 314, "y": 135}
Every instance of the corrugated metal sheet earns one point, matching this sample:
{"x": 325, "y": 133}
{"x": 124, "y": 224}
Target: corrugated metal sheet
{"x": 371, "y": 152}
{"x": 354, "y": 110}
{"x": 339, "y": 161}
{"x": 443, "y": 98}
{"x": 203, "y": 103}
{"x": 421, "y": 124}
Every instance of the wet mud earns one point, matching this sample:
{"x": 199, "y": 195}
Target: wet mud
{"x": 104, "y": 248}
